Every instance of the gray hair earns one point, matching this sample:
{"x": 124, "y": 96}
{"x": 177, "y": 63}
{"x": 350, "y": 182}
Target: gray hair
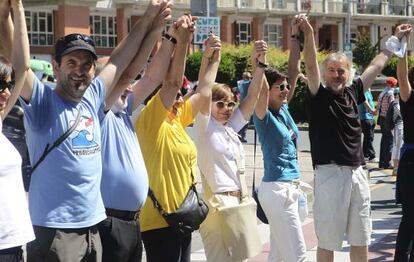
{"x": 340, "y": 57}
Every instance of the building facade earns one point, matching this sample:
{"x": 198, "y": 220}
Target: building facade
{"x": 241, "y": 21}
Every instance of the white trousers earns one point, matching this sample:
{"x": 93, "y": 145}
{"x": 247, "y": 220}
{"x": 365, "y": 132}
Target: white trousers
{"x": 280, "y": 204}
{"x": 397, "y": 143}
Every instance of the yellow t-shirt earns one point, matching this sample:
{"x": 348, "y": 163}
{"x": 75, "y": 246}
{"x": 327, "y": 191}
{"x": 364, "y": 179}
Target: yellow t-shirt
{"x": 169, "y": 155}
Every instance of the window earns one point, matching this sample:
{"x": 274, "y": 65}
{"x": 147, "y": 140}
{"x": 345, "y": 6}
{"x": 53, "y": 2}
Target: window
{"x": 243, "y": 35}
{"x": 273, "y": 34}
{"x": 103, "y": 30}
{"x": 40, "y": 28}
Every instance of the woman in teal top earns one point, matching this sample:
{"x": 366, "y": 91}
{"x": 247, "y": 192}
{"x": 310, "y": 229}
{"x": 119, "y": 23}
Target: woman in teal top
{"x": 279, "y": 191}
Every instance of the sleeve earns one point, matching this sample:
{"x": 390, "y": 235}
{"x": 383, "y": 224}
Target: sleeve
{"x": 359, "y": 91}
{"x": 96, "y": 92}
{"x": 200, "y": 125}
{"x": 237, "y": 121}
{"x": 152, "y": 116}
{"x": 186, "y": 113}
{"x": 260, "y": 125}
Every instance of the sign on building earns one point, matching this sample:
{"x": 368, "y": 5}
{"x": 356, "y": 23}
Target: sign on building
{"x": 205, "y": 25}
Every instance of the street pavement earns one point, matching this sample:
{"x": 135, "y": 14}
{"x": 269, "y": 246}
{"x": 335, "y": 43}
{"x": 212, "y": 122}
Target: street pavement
{"x": 385, "y": 214}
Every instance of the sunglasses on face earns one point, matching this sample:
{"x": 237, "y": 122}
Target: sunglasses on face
{"x": 6, "y": 84}
{"x": 222, "y": 104}
{"x": 282, "y": 87}
{"x": 73, "y": 37}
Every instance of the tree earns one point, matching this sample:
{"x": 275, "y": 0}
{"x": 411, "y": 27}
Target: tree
{"x": 364, "y": 51}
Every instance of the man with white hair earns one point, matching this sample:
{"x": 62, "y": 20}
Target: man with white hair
{"x": 342, "y": 195}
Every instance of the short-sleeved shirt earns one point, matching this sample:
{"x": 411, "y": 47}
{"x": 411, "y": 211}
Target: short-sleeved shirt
{"x": 277, "y": 134}
{"x": 364, "y": 113}
{"x": 243, "y": 88}
{"x": 170, "y": 157}
{"x": 218, "y": 146}
{"x": 65, "y": 188}
{"x": 407, "y": 112}
{"x": 124, "y": 183}
{"x": 335, "y": 127}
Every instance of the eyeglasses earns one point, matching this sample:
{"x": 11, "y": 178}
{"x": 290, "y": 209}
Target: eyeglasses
{"x": 6, "y": 84}
{"x": 74, "y": 37}
{"x": 222, "y": 104}
{"x": 282, "y": 87}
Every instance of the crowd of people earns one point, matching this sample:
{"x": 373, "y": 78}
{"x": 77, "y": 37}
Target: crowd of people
{"x": 103, "y": 183}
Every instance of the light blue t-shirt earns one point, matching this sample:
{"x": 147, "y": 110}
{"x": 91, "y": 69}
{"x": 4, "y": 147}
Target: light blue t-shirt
{"x": 65, "y": 188}
{"x": 277, "y": 134}
{"x": 364, "y": 114}
{"x": 124, "y": 183}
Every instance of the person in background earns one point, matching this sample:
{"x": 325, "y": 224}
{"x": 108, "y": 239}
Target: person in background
{"x": 366, "y": 114}
{"x": 397, "y": 129}
{"x": 341, "y": 191}
{"x": 15, "y": 225}
{"x": 279, "y": 190}
{"x": 124, "y": 184}
{"x": 405, "y": 178}
{"x": 169, "y": 154}
{"x": 218, "y": 145}
{"x": 384, "y": 100}
{"x": 242, "y": 90}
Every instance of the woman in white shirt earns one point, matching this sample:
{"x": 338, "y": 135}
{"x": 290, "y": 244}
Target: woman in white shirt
{"x": 219, "y": 150}
{"x": 15, "y": 225}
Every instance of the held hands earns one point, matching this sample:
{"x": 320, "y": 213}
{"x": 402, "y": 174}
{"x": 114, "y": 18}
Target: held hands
{"x": 259, "y": 52}
{"x": 403, "y": 30}
{"x": 158, "y": 8}
{"x": 163, "y": 15}
{"x": 212, "y": 48}
{"x": 183, "y": 28}
{"x": 303, "y": 24}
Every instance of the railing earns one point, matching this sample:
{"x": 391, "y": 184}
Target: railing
{"x": 253, "y": 4}
{"x": 226, "y": 3}
{"x": 278, "y": 4}
{"x": 397, "y": 10}
{"x": 337, "y": 7}
{"x": 317, "y": 6}
{"x": 369, "y": 8}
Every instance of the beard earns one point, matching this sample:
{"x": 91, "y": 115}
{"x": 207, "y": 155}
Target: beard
{"x": 72, "y": 88}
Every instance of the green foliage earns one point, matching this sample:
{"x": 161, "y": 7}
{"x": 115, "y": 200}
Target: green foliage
{"x": 391, "y": 68}
{"x": 364, "y": 52}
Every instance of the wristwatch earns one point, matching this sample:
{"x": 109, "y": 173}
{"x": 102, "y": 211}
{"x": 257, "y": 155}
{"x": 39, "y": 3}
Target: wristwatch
{"x": 170, "y": 38}
{"x": 262, "y": 65}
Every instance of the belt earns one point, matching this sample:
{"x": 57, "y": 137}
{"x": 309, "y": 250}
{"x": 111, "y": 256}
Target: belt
{"x": 230, "y": 193}
{"x": 123, "y": 215}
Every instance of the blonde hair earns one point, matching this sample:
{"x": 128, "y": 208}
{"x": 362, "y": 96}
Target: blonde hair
{"x": 221, "y": 92}
{"x": 338, "y": 57}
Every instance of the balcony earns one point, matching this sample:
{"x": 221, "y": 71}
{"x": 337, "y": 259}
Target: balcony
{"x": 369, "y": 8}
{"x": 226, "y": 3}
{"x": 317, "y": 6}
{"x": 337, "y": 7}
{"x": 253, "y": 4}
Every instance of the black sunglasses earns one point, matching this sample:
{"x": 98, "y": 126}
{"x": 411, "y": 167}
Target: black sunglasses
{"x": 222, "y": 104}
{"x": 6, "y": 84}
{"x": 282, "y": 87}
{"x": 74, "y": 37}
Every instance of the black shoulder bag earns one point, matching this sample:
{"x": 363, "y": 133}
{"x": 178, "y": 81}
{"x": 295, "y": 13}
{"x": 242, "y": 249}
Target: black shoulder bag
{"x": 56, "y": 143}
{"x": 189, "y": 216}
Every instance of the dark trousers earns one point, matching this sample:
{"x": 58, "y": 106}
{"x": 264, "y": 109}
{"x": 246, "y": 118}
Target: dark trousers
{"x": 65, "y": 244}
{"x": 14, "y": 254}
{"x": 405, "y": 185}
{"x": 164, "y": 245}
{"x": 386, "y": 147}
{"x": 368, "y": 126}
{"x": 121, "y": 240}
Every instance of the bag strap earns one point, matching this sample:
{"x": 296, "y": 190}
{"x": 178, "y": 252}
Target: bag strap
{"x": 254, "y": 159}
{"x": 58, "y": 141}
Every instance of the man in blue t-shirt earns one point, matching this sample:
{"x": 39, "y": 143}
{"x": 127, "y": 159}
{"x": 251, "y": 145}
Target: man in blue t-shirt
{"x": 366, "y": 114}
{"x": 64, "y": 198}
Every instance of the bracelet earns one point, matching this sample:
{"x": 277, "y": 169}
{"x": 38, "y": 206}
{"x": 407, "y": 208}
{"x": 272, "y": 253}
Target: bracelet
{"x": 262, "y": 65}
{"x": 170, "y": 38}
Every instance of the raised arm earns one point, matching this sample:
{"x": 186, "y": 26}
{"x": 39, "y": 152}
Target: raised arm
{"x": 403, "y": 81}
{"x": 157, "y": 69}
{"x": 175, "y": 74}
{"x": 20, "y": 54}
{"x": 137, "y": 64}
{"x": 210, "y": 62}
{"x": 259, "y": 59}
{"x": 379, "y": 62}
{"x": 309, "y": 51}
{"x": 294, "y": 59}
{"x": 124, "y": 53}
{"x": 6, "y": 30}
{"x": 263, "y": 101}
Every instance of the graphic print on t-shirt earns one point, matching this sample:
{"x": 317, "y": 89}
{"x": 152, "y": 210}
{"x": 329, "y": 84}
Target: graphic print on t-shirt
{"x": 83, "y": 139}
